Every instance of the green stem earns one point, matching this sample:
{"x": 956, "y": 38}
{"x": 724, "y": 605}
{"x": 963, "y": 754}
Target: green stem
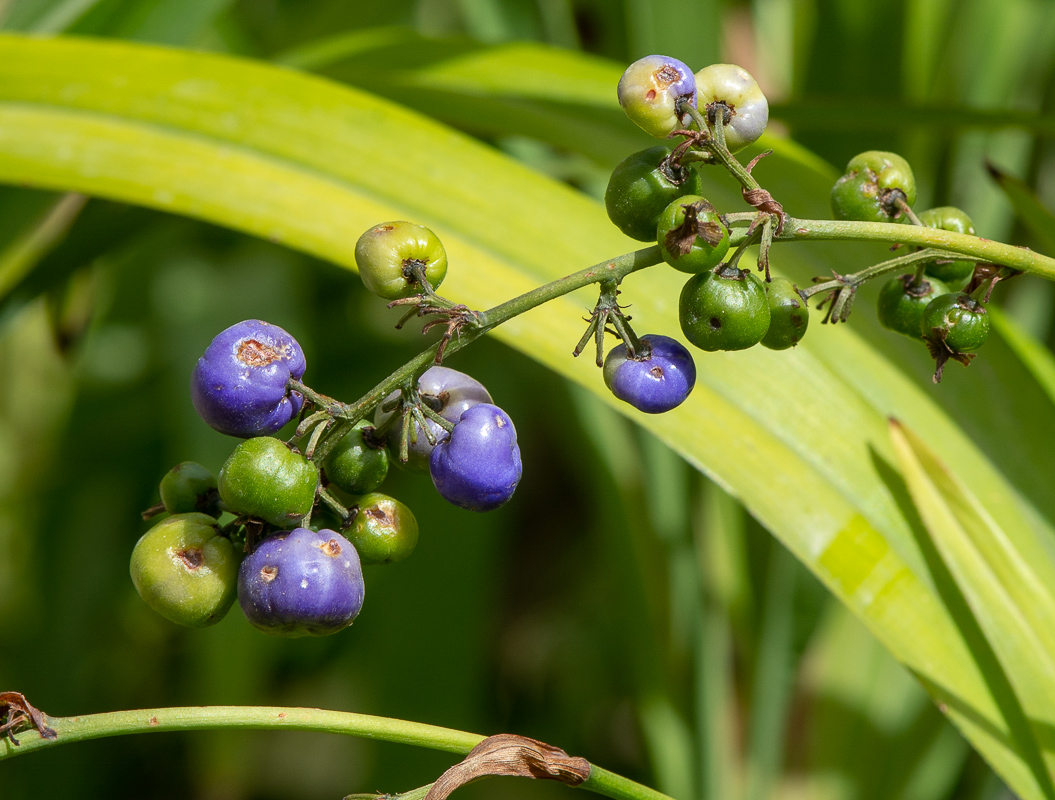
{"x": 1020, "y": 258}
{"x": 156, "y": 720}
{"x": 855, "y": 279}
{"x": 614, "y": 269}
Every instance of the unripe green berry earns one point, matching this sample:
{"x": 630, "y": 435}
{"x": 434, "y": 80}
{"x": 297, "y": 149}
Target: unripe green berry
{"x": 394, "y": 256}
{"x": 957, "y": 320}
{"x": 189, "y": 487}
{"x": 641, "y": 186}
{"x": 869, "y": 189}
{"x": 384, "y": 530}
{"x": 727, "y": 310}
{"x": 957, "y": 272}
{"x": 354, "y": 465}
{"x": 788, "y": 315}
{"x": 186, "y": 571}
{"x": 680, "y": 242}
{"x": 902, "y": 302}
{"x": 265, "y": 479}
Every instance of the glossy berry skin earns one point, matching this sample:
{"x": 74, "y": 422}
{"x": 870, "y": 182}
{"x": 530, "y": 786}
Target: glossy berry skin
{"x": 478, "y": 467}
{"x": 384, "y": 529}
{"x": 901, "y": 303}
{"x": 239, "y": 386}
{"x": 642, "y": 186}
{"x": 387, "y": 254}
{"x": 957, "y": 320}
{"x": 955, "y": 273}
{"x": 702, "y": 255}
{"x": 186, "y": 571}
{"x": 657, "y": 382}
{"x": 449, "y": 393}
{"x": 869, "y": 186}
{"x": 734, "y": 86}
{"x": 267, "y": 480}
{"x": 649, "y": 92}
{"x": 302, "y": 583}
{"x": 788, "y": 315}
{"x": 189, "y": 487}
{"x": 724, "y": 311}
{"x": 354, "y": 465}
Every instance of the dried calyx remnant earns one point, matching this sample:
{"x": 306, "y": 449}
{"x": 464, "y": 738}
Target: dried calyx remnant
{"x": 16, "y": 713}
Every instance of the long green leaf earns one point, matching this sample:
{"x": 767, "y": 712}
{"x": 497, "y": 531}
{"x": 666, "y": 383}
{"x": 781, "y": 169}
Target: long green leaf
{"x": 801, "y": 437}
{"x": 1009, "y": 596}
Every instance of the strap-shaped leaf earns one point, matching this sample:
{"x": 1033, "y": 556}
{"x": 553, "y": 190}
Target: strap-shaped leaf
{"x": 801, "y": 437}
{"x": 1005, "y": 596}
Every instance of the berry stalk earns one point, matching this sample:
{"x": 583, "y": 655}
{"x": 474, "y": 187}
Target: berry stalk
{"x": 154, "y": 720}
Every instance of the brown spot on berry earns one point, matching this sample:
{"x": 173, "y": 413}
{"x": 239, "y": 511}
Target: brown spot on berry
{"x": 715, "y": 323}
{"x": 378, "y": 514}
{"x": 257, "y": 354}
{"x": 666, "y": 75}
{"x": 384, "y": 228}
{"x": 192, "y": 558}
{"x": 268, "y": 573}
{"x": 650, "y": 95}
{"x": 656, "y": 372}
{"x": 330, "y": 548}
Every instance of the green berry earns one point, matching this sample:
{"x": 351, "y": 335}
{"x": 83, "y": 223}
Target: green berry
{"x": 955, "y": 273}
{"x": 695, "y": 244}
{"x": 186, "y": 571}
{"x": 956, "y": 320}
{"x": 394, "y": 256}
{"x": 384, "y": 530}
{"x": 788, "y": 315}
{"x": 189, "y": 487}
{"x": 902, "y": 302}
{"x": 870, "y": 187}
{"x": 265, "y": 479}
{"x": 354, "y": 465}
{"x": 727, "y": 310}
{"x": 641, "y": 186}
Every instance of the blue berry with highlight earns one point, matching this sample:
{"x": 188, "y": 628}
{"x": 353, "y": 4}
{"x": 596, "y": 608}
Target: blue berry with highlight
{"x": 478, "y": 466}
{"x": 659, "y": 380}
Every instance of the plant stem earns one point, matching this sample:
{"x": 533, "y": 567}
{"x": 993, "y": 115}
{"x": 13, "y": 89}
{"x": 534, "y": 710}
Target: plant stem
{"x": 155, "y": 720}
{"x": 1020, "y": 258}
{"x": 614, "y": 269}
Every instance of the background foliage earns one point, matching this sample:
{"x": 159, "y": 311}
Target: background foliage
{"x": 623, "y": 607}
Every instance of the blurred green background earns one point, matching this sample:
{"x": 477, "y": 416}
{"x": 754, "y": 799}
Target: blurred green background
{"x": 622, "y": 607}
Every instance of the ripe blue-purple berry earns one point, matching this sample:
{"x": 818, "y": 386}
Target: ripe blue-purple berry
{"x": 649, "y": 92}
{"x": 447, "y": 392}
{"x": 478, "y": 467}
{"x": 240, "y": 385}
{"x": 659, "y": 380}
{"x": 302, "y": 583}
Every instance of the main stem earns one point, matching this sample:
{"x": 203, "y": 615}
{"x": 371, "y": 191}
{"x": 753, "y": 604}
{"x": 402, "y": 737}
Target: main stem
{"x": 155, "y": 720}
{"x": 802, "y": 230}
{"x": 614, "y": 269}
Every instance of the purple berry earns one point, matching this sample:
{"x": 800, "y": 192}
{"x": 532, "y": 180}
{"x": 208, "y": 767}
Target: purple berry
{"x": 657, "y": 382}
{"x": 478, "y": 466}
{"x": 240, "y": 386}
{"x": 449, "y": 393}
{"x": 301, "y": 583}
{"x": 649, "y": 92}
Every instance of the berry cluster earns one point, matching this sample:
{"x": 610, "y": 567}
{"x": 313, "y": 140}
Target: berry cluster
{"x": 655, "y": 195}
{"x": 287, "y": 525}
